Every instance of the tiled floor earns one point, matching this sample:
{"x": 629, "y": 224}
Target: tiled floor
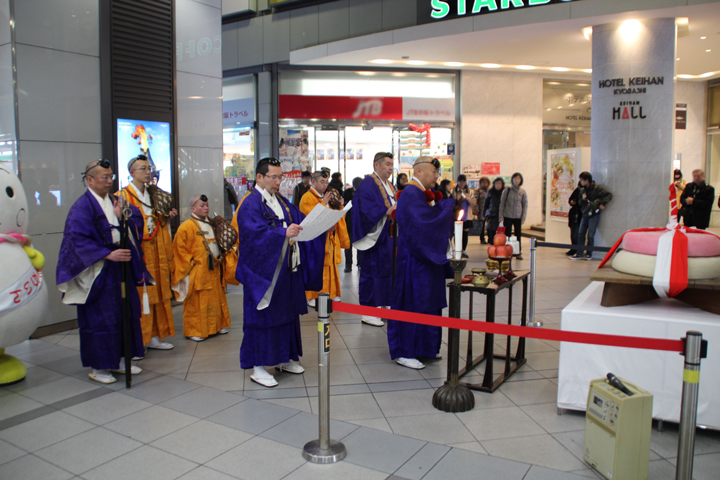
{"x": 194, "y": 414}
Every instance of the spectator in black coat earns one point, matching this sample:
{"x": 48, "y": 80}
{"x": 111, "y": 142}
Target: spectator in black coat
{"x": 574, "y": 217}
{"x": 336, "y": 182}
{"x": 348, "y": 195}
{"x": 697, "y": 201}
{"x": 301, "y": 188}
{"x": 492, "y": 208}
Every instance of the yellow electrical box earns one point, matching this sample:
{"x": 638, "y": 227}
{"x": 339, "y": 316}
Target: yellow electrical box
{"x": 617, "y": 429}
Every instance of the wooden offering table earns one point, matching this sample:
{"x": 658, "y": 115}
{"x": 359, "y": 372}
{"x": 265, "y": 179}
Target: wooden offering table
{"x": 510, "y": 363}
{"x": 625, "y": 289}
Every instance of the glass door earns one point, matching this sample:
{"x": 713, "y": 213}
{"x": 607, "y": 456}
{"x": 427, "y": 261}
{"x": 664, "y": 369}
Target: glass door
{"x": 409, "y": 145}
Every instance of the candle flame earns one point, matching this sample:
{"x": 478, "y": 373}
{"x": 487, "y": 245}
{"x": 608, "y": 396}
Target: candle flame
{"x": 461, "y": 213}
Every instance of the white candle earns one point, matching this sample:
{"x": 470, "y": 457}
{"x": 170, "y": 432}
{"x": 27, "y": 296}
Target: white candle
{"x": 458, "y": 240}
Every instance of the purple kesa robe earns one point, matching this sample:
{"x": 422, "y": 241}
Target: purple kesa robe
{"x": 370, "y": 204}
{"x": 271, "y": 326}
{"x": 423, "y": 235}
{"x": 86, "y": 242}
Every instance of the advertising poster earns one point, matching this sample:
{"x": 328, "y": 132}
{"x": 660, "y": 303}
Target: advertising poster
{"x": 290, "y": 179}
{"x": 294, "y": 150}
{"x": 471, "y": 170}
{"x": 135, "y": 137}
{"x": 490, "y": 168}
{"x": 562, "y": 184}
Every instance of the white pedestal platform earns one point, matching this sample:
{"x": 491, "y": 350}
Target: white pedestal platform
{"x": 658, "y": 372}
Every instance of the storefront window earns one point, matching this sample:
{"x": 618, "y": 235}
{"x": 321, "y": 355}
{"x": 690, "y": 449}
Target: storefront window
{"x": 239, "y": 133}
{"x": 346, "y": 122}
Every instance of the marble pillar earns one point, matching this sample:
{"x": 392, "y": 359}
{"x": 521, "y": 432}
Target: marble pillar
{"x": 633, "y": 122}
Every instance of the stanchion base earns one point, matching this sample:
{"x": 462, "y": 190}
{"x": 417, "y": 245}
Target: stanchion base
{"x": 537, "y": 323}
{"x": 314, "y": 454}
{"x": 454, "y": 399}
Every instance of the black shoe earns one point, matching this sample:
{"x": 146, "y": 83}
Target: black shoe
{"x": 519, "y": 257}
{"x": 570, "y": 253}
{"x": 465, "y": 255}
{"x": 588, "y": 257}
{"x": 348, "y": 269}
{"x": 483, "y": 242}
{"x": 577, "y": 256}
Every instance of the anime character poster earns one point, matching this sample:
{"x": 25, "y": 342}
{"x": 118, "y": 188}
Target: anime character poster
{"x": 562, "y": 184}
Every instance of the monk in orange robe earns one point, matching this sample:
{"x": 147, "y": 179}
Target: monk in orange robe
{"x": 200, "y": 275}
{"x": 158, "y": 323}
{"x": 337, "y": 238}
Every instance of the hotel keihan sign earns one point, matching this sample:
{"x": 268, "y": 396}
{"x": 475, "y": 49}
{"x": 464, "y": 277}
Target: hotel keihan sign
{"x": 630, "y": 109}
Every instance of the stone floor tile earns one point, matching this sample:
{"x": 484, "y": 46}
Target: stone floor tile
{"x": 400, "y": 404}
{"x": 215, "y": 363}
{"x": 35, "y": 376}
{"x": 228, "y": 381}
{"x": 88, "y": 450}
{"x": 13, "y": 404}
{"x": 145, "y": 462}
{"x": 546, "y": 415}
{"x": 253, "y": 416}
{"x": 350, "y": 407}
{"x": 203, "y": 402}
{"x": 166, "y": 364}
{"x": 107, "y": 408}
{"x": 160, "y": 389}
{"x": 56, "y": 390}
{"x": 303, "y": 427}
{"x": 422, "y": 462}
{"x": 151, "y": 423}
{"x": 201, "y": 441}
{"x": 388, "y": 372}
{"x": 469, "y": 446}
{"x": 499, "y": 423}
{"x": 541, "y": 450}
{"x": 259, "y": 459}
{"x": 300, "y": 403}
{"x": 531, "y": 392}
{"x": 378, "y": 450}
{"x": 43, "y": 431}
{"x": 342, "y": 470}
{"x": 31, "y": 467}
{"x": 204, "y": 473}
{"x": 540, "y": 473}
{"x": 219, "y": 348}
{"x": 439, "y": 428}
{"x": 9, "y": 452}
{"x": 463, "y": 465}
{"x": 374, "y": 423}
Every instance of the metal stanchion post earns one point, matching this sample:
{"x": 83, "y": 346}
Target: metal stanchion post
{"x": 695, "y": 349}
{"x": 324, "y": 450}
{"x": 532, "y": 321}
{"x": 453, "y": 397}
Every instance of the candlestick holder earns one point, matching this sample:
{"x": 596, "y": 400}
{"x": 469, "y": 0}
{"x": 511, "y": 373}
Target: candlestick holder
{"x": 453, "y": 397}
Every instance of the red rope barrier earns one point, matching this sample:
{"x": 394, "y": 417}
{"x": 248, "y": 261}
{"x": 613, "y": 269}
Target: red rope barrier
{"x": 514, "y": 330}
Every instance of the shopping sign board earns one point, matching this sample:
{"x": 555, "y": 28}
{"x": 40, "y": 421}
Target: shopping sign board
{"x": 367, "y": 108}
{"x": 429, "y": 11}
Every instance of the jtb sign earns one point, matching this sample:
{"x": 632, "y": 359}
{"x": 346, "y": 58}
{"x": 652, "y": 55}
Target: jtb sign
{"x": 432, "y": 10}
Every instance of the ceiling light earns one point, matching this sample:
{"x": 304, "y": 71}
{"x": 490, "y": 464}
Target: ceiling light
{"x": 707, "y": 74}
{"x": 559, "y": 107}
{"x": 678, "y": 59}
{"x": 571, "y": 105}
{"x": 549, "y": 109}
{"x": 398, "y": 74}
{"x": 582, "y": 84}
{"x": 366, "y": 73}
{"x": 432, "y": 76}
{"x": 490, "y": 65}
{"x": 381, "y": 61}
{"x": 416, "y": 62}
{"x": 588, "y": 70}
{"x": 587, "y": 33}
{"x": 708, "y": 51}
{"x": 454, "y": 64}
{"x": 630, "y": 30}
{"x": 525, "y": 67}
{"x": 682, "y": 75}
{"x": 553, "y": 83}
{"x": 559, "y": 69}
{"x": 703, "y": 38}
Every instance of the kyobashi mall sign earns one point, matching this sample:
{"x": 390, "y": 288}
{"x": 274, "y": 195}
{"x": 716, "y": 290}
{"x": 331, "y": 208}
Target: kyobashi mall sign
{"x": 432, "y": 10}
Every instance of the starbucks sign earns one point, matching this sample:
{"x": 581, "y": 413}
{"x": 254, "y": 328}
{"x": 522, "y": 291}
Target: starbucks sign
{"x": 430, "y": 11}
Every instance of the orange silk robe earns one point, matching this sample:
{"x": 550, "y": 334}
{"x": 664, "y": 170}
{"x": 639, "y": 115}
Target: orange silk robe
{"x": 336, "y": 241}
{"x": 202, "y": 291}
{"x": 158, "y": 256}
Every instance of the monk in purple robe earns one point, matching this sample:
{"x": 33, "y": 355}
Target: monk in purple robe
{"x": 373, "y": 205}
{"x": 424, "y": 231}
{"x": 88, "y": 274}
{"x": 275, "y": 272}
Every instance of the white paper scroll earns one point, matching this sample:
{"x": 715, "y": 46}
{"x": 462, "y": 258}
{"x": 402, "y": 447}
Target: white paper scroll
{"x": 320, "y": 220}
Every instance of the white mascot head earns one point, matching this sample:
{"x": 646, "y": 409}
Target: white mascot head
{"x": 23, "y": 293}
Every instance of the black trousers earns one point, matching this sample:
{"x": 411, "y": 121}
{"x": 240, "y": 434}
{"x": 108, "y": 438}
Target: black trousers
{"x": 349, "y": 257}
{"x": 467, "y": 225}
{"x": 513, "y": 226}
{"x": 574, "y": 229}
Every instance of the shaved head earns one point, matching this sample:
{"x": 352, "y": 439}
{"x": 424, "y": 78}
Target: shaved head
{"x": 194, "y": 199}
